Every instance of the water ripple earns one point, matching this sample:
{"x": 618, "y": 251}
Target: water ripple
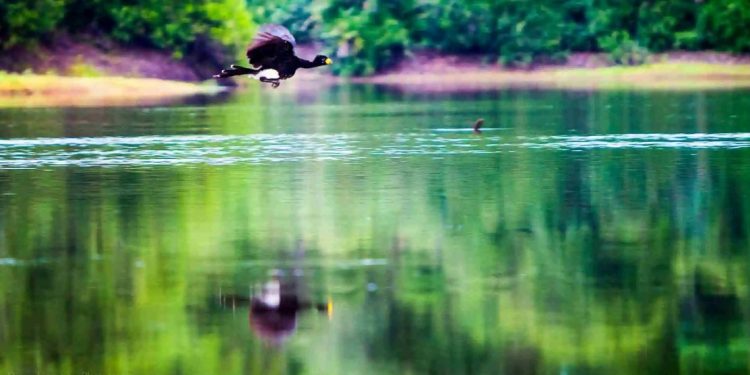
{"x": 273, "y": 148}
{"x": 676, "y": 140}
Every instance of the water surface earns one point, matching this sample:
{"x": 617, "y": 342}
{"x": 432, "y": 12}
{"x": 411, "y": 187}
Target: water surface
{"x": 580, "y": 233}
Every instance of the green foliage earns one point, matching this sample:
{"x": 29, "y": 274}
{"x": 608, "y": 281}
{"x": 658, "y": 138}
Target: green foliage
{"x": 528, "y": 32}
{"x": 687, "y": 40}
{"x": 723, "y": 24}
{"x": 579, "y": 24}
{"x": 455, "y": 26}
{"x": 297, "y": 15}
{"x": 519, "y": 33}
{"x": 26, "y": 21}
{"x": 167, "y": 27}
{"x": 659, "y": 22}
{"x": 366, "y": 36}
{"x": 623, "y": 50}
{"x": 373, "y": 35}
{"x": 89, "y": 15}
{"x": 172, "y": 25}
{"x": 370, "y": 35}
{"x": 229, "y": 22}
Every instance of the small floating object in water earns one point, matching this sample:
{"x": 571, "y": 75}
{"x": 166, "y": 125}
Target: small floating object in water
{"x": 477, "y": 125}
{"x": 478, "y": 128}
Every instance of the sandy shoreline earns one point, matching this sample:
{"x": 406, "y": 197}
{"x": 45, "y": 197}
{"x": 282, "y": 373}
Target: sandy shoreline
{"x": 22, "y": 90}
{"x": 668, "y": 76}
{"x": 669, "y": 71}
{"x": 436, "y": 74}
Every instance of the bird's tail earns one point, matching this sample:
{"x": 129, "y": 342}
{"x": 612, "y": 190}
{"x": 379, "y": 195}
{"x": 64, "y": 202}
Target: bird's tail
{"x": 235, "y": 70}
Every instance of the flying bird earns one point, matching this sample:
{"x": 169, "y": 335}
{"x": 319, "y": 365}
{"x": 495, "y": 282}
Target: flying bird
{"x": 271, "y": 57}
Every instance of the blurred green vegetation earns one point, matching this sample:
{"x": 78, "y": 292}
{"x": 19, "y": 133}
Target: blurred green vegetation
{"x": 176, "y": 25}
{"x": 370, "y": 35}
{"x": 367, "y": 36}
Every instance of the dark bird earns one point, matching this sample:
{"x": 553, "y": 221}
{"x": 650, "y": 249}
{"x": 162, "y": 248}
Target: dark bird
{"x": 477, "y": 125}
{"x": 271, "y": 57}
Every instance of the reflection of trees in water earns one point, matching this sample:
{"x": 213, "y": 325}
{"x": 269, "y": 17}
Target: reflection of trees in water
{"x": 518, "y": 262}
{"x": 437, "y": 344}
{"x": 429, "y": 331}
{"x": 712, "y": 329}
{"x": 564, "y": 293}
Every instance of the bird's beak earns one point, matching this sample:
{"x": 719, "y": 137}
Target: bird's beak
{"x": 329, "y": 61}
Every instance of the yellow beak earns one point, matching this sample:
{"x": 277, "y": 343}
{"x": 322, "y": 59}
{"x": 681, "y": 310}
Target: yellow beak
{"x": 329, "y": 61}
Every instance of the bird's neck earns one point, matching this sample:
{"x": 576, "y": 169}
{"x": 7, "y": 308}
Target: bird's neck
{"x": 307, "y": 64}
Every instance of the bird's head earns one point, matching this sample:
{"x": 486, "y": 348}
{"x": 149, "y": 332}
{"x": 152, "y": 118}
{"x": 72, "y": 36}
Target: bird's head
{"x": 322, "y": 60}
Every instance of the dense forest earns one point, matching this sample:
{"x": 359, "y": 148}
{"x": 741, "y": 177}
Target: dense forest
{"x": 371, "y": 35}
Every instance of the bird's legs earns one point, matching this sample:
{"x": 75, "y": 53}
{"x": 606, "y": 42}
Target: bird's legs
{"x": 235, "y": 70}
{"x": 274, "y": 82}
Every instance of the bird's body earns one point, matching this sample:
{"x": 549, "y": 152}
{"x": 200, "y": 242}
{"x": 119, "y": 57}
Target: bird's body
{"x": 267, "y": 74}
{"x": 271, "y": 57}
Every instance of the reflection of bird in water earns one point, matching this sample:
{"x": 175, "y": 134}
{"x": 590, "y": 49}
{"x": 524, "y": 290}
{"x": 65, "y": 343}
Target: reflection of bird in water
{"x": 275, "y": 307}
{"x": 271, "y": 57}
{"x": 477, "y": 125}
{"x": 710, "y": 300}
{"x": 709, "y": 310}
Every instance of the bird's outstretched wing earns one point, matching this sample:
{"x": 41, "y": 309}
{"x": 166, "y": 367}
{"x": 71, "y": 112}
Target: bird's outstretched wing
{"x": 270, "y": 33}
{"x": 271, "y": 42}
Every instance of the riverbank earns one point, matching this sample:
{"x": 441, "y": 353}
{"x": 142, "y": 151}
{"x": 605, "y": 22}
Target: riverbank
{"x": 674, "y": 71}
{"x": 660, "y": 76}
{"x": 684, "y": 71}
{"x": 29, "y": 90}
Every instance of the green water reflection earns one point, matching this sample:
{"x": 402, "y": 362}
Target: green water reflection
{"x": 619, "y": 258}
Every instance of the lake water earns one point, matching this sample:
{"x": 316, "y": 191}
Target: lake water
{"x": 364, "y": 230}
